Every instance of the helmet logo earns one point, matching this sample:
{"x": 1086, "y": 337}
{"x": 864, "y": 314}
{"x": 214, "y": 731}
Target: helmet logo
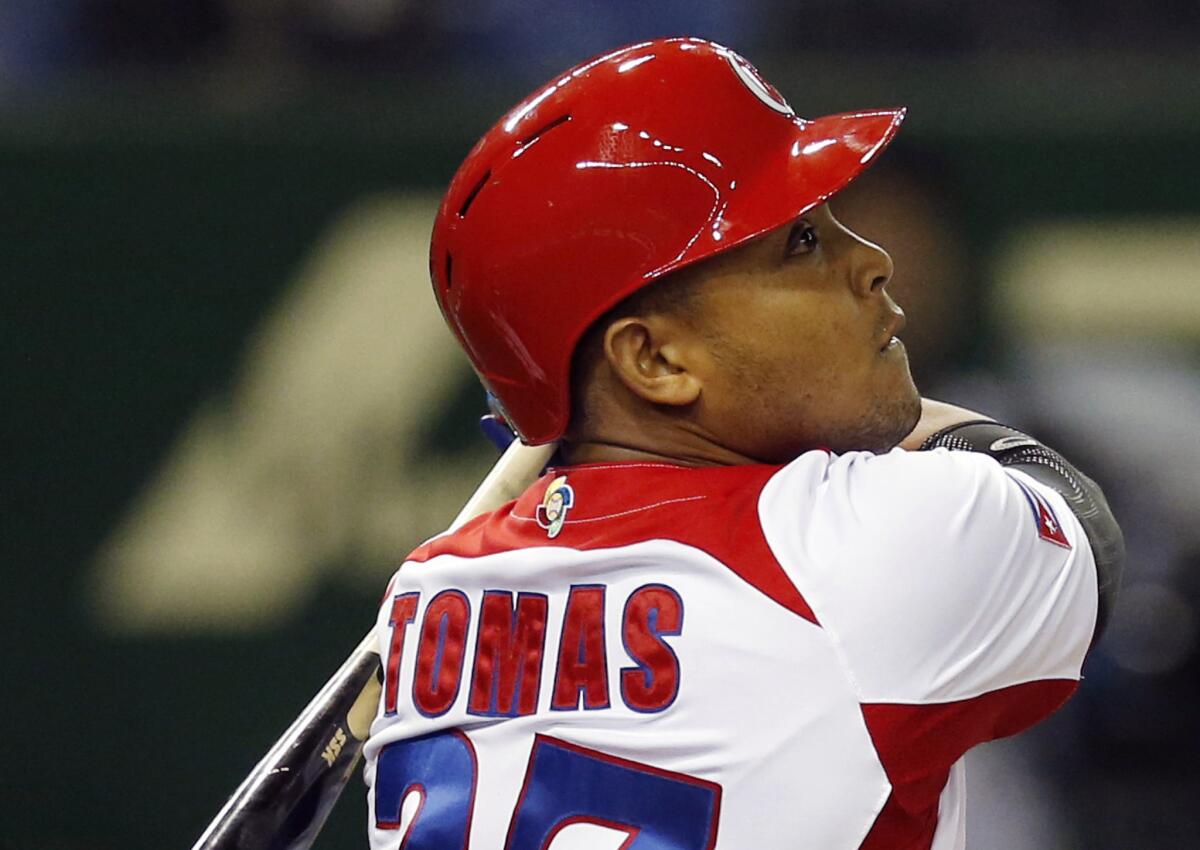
{"x": 552, "y": 512}
{"x": 759, "y": 87}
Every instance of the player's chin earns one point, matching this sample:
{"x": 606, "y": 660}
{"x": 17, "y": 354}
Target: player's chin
{"x": 894, "y": 414}
{"x": 880, "y": 426}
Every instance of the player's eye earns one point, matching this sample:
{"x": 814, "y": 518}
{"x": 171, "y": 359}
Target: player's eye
{"x": 802, "y": 239}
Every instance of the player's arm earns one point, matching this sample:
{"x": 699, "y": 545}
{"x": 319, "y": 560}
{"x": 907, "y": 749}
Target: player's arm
{"x": 959, "y": 585}
{"x": 947, "y": 426}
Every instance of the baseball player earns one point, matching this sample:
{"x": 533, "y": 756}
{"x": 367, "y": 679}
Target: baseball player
{"x": 771, "y": 597}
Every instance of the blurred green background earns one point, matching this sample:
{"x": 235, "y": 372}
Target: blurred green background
{"x": 231, "y": 409}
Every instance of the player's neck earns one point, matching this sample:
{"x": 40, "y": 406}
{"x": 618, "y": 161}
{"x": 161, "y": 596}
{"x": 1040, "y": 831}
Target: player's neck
{"x": 684, "y": 452}
{"x": 617, "y": 427}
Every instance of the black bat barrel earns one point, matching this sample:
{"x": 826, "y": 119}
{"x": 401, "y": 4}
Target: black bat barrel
{"x": 286, "y": 799}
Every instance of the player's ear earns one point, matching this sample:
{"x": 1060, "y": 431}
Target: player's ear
{"x": 649, "y": 356}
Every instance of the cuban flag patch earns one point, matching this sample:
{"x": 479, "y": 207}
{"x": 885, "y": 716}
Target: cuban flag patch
{"x": 1048, "y": 526}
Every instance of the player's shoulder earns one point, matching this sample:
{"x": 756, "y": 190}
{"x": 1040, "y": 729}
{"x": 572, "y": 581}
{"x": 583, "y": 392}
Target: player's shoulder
{"x": 615, "y": 504}
{"x": 590, "y": 506}
{"x": 937, "y": 471}
{"x": 870, "y": 507}
{"x": 907, "y": 481}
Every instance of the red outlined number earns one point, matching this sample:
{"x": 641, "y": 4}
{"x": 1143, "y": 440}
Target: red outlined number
{"x": 565, "y": 784}
{"x": 441, "y": 768}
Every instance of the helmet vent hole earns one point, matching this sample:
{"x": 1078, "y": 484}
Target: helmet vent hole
{"x": 462, "y": 212}
{"x": 449, "y": 269}
{"x": 545, "y": 128}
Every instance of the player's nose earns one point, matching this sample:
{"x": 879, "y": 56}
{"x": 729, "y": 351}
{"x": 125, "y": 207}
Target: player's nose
{"x": 872, "y": 267}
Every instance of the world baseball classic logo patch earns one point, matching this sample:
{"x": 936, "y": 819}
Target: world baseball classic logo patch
{"x": 1048, "y": 526}
{"x": 552, "y": 512}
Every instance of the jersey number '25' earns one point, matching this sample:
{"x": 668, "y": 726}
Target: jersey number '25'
{"x": 651, "y": 809}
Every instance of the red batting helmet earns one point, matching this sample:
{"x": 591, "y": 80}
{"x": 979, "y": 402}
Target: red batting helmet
{"x": 617, "y": 172}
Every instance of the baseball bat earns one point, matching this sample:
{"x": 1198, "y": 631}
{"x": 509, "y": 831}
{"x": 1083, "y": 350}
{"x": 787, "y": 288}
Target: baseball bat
{"x": 284, "y": 801}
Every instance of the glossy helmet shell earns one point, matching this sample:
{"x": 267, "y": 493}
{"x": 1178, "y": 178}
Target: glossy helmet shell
{"x": 619, "y": 171}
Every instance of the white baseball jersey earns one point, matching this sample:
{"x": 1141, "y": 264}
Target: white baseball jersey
{"x": 653, "y": 657}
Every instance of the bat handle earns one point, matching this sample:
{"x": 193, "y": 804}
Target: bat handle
{"x": 518, "y": 466}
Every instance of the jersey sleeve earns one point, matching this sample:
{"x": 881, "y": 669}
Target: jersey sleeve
{"x": 944, "y": 580}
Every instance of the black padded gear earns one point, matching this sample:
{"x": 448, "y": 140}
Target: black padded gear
{"x": 1011, "y": 447}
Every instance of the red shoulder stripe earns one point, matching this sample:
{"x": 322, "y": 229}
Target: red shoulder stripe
{"x": 714, "y": 509}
